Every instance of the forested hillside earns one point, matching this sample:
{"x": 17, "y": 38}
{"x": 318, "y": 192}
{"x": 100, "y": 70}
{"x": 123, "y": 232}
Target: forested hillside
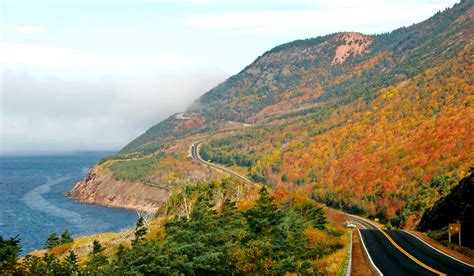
{"x": 338, "y": 68}
{"x": 378, "y": 157}
{"x": 318, "y": 74}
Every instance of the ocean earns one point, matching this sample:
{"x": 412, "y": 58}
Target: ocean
{"x": 32, "y": 201}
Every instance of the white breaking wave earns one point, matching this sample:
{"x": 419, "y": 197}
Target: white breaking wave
{"x": 35, "y": 200}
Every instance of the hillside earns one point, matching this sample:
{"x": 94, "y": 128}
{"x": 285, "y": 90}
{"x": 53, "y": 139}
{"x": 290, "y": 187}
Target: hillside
{"x": 361, "y": 122}
{"x": 320, "y": 72}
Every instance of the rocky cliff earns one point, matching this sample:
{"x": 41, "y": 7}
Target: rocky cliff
{"x": 100, "y": 187}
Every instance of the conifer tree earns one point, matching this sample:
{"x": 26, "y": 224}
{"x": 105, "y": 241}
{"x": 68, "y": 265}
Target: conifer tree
{"x": 96, "y": 247}
{"x": 9, "y": 251}
{"x": 264, "y": 215}
{"x": 71, "y": 263}
{"x": 52, "y": 241}
{"x": 140, "y": 230}
{"x": 66, "y": 237}
{"x": 96, "y": 259}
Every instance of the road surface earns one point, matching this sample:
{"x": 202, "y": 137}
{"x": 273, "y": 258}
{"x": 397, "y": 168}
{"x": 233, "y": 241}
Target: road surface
{"x": 195, "y": 155}
{"x": 413, "y": 257}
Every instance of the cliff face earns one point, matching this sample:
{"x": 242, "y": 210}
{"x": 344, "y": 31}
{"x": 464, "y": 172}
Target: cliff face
{"x": 100, "y": 187}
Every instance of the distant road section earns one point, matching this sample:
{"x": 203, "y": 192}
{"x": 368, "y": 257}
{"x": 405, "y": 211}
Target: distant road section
{"x": 195, "y": 155}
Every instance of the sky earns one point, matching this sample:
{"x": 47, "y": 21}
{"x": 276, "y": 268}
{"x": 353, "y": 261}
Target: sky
{"x": 92, "y": 75}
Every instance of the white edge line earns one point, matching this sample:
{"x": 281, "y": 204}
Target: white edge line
{"x": 368, "y": 255}
{"x": 472, "y": 266}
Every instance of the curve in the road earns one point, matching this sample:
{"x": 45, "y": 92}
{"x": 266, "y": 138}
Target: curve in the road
{"x": 195, "y": 155}
{"x": 410, "y": 256}
{"x": 363, "y": 222}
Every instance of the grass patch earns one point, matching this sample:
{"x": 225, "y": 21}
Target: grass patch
{"x": 135, "y": 169}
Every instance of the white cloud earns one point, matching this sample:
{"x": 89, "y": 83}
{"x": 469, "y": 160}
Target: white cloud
{"x": 23, "y": 29}
{"x": 25, "y": 54}
{"x": 52, "y": 115}
{"x": 331, "y": 16}
{"x": 64, "y": 60}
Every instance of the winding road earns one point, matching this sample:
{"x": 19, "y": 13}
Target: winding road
{"x": 392, "y": 252}
{"x": 195, "y": 155}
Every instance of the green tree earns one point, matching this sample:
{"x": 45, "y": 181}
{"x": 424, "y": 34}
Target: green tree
{"x": 71, "y": 263}
{"x": 264, "y": 215}
{"x": 120, "y": 252}
{"x": 9, "y": 251}
{"x": 96, "y": 259}
{"x": 66, "y": 237}
{"x": 140, "y": 230}
{"x": 52, "y": 241}
{"x": 97, "y": 247}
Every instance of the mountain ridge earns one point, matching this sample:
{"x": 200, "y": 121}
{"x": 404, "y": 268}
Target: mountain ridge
{"x": 225, "y": 103}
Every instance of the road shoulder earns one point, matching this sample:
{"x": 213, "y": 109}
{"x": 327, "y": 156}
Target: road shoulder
{"x": 360, "y": 261}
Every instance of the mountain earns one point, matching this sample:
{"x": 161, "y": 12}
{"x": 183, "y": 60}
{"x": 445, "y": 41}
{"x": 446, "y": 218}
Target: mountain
{"x": 360, "y": 122}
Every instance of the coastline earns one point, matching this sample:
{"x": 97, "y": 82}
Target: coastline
{"x": 99, "y": 187}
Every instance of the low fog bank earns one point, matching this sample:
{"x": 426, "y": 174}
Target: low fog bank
{"x": 48, "y": 115}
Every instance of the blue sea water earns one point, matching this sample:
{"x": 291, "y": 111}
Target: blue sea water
{"x": 32, "y": 201}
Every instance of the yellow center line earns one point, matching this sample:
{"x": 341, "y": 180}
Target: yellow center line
{"x": 410, "y": 256}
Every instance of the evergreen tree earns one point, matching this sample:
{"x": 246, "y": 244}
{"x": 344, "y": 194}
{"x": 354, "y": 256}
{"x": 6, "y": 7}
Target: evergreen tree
{"x": 66, "y": 237}
{"x": 140, "y": 230}
{"x": 71, "y": 263}
{"x": 264, "y": 215}
{"x": 120, "y": 252}
{"x": 9, "y": 251}
{"x": 52, "y": 241}
{"x": 96, "y": 260}
{"x": 96, "y": 247}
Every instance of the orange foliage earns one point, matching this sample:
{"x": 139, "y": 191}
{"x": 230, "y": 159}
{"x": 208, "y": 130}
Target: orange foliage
{"x": 375, "y": 155}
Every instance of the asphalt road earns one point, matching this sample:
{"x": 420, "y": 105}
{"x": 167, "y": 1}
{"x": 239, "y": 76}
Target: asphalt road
{"x": 388, "y": 259}
{"x": 365, "y": 224}
{"x": 429, "y": 256}
{"x": 391, "y": 261}
{"x": 195, "y": 155}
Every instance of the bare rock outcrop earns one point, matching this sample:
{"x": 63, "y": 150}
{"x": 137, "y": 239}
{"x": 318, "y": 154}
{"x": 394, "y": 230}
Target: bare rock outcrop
{"x": 351, "y": 44}
{"x": 101, "y": 188}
